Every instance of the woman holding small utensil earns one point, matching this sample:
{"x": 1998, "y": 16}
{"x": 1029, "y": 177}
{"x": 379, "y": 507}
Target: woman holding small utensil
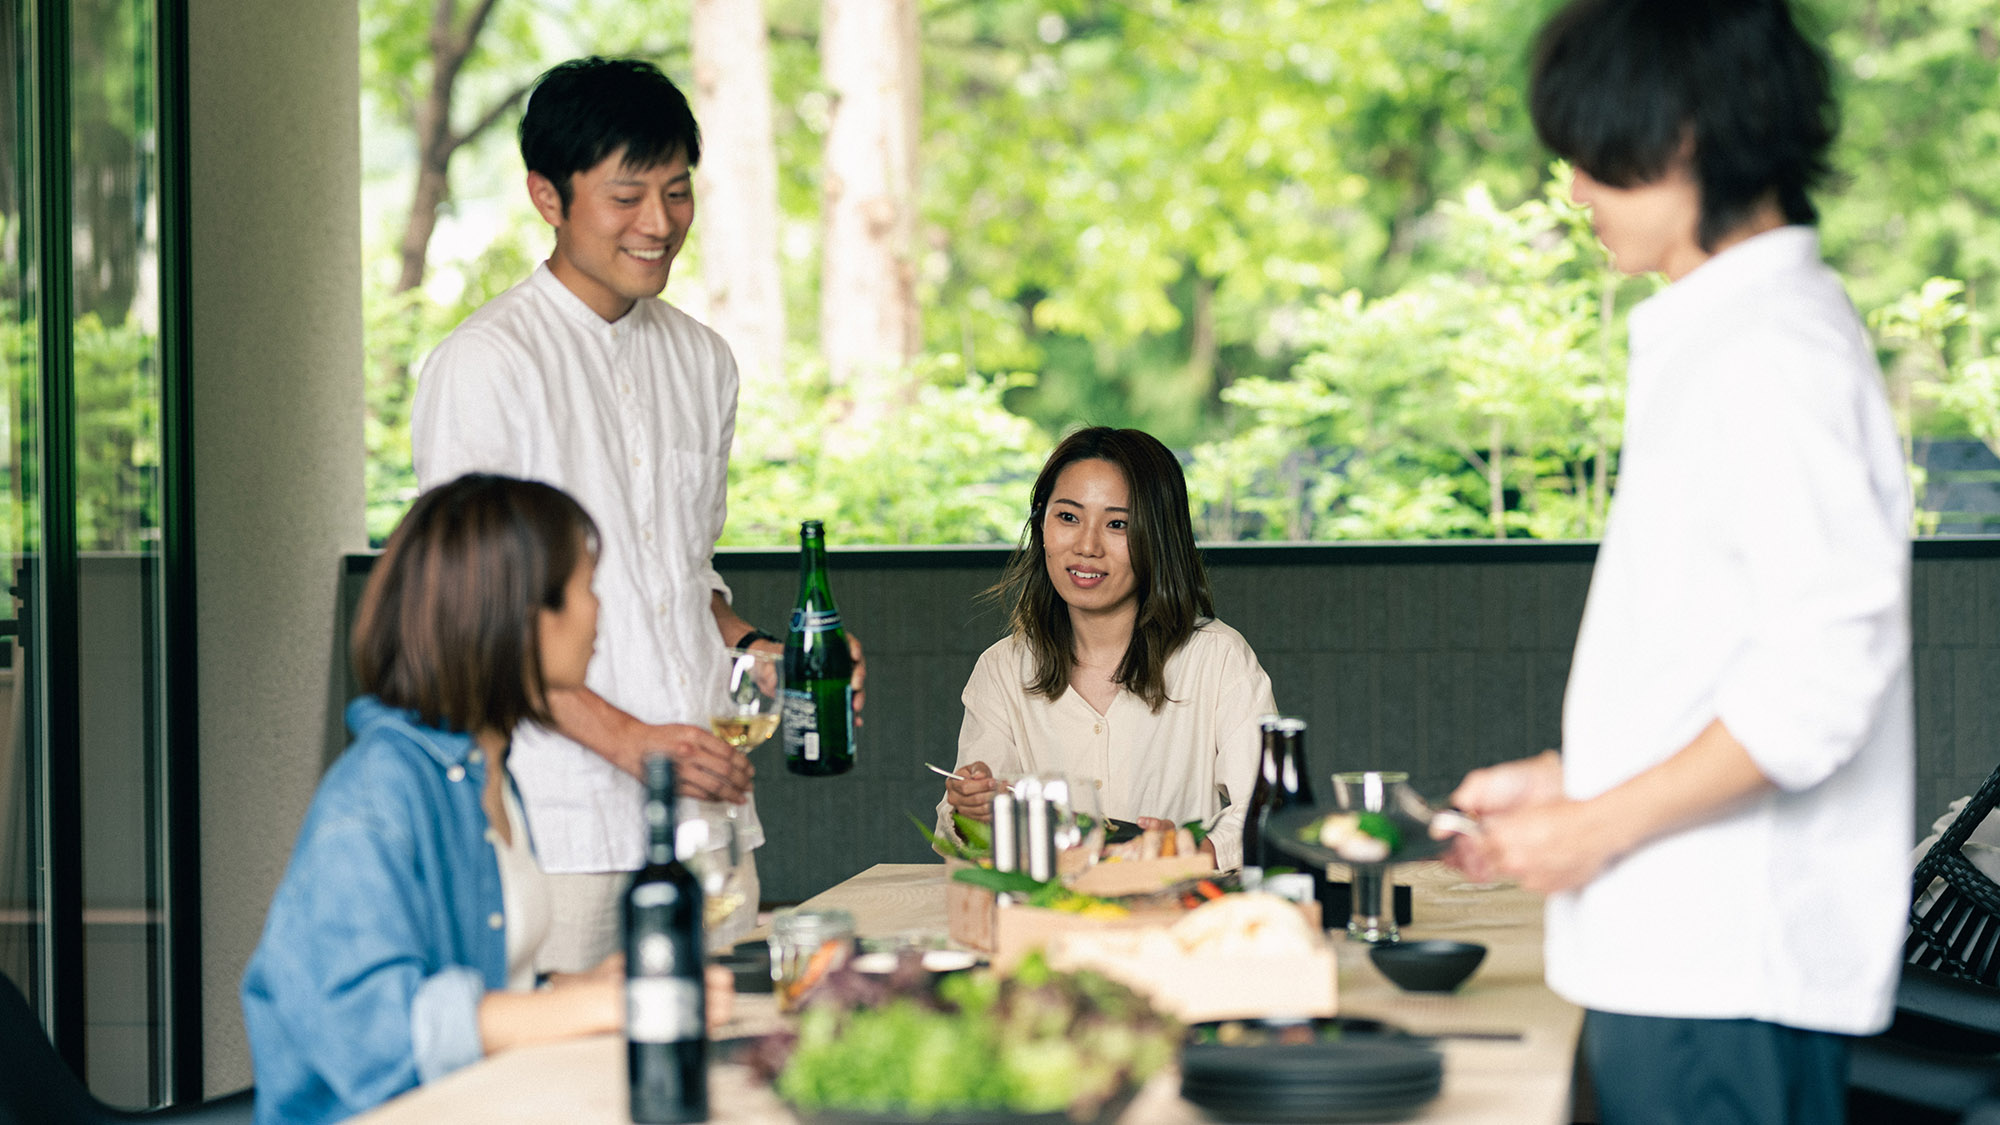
{"x": 1116, "y": 672}
{"x": 401, "y": 943}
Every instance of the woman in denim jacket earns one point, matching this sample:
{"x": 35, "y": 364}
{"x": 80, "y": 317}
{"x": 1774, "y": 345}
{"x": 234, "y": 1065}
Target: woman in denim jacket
{"x": 400, "y": 944}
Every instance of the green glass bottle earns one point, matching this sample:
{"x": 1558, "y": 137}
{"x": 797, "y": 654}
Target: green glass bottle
{"x": 819, "y": 671}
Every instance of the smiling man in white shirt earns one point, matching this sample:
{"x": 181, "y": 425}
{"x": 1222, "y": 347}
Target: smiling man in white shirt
{"x": 581, "y": 378}
{"x": 1723, "y": 832}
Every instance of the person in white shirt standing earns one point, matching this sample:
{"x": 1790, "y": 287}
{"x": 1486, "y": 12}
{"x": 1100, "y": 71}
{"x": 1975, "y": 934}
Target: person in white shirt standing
{"x": 1723, "y": 832}
{"x": 581, "y": 378}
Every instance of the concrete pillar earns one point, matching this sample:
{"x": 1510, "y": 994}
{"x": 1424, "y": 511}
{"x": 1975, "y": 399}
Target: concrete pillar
{"x": 278, "y": 446}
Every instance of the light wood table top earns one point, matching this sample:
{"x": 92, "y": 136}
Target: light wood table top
{"x": 1486, "y": 1082}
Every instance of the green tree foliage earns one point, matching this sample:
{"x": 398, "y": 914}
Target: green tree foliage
{"x": 1480, "y": 399}
{"x": 1138, "y": 198}
{"x": 1315, "y": 242}
{"x": 950, "y": 464}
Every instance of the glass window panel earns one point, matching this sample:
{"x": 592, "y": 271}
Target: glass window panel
{"x": 115, "y": 287}
{"x": 22, "y": 896}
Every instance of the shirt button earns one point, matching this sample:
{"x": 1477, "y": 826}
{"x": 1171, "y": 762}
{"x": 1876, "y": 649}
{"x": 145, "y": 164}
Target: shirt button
{"x": 474, "y": 757}
{"x": 495, "y": 920}
{"x": 647, "y": 535}
{"x": 455, "y": 773}
{"x": 1097, "y": 784}
{"x": 636, "y": 461}
{"x": 627, "y": 388}
{"x": 1097, "y": 728}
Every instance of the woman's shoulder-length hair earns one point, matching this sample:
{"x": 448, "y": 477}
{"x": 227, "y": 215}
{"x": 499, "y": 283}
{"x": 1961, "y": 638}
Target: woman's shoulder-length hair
{"x": 1173, "y": 591}
{"x": 449, "y": 623}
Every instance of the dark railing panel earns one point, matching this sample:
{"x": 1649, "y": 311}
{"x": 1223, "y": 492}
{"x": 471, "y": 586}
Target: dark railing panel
{"x": 1434, "y": 658}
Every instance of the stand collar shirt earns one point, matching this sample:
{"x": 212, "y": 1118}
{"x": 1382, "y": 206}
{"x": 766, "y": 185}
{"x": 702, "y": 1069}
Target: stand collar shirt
{"x": 635, "y": 419}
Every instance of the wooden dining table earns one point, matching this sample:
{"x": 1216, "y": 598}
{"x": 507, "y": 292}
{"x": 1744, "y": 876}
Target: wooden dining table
{"x": 1509, "y": 1043}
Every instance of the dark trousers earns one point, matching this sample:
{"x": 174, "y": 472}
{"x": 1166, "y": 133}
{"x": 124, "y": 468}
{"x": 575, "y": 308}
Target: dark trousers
{"x": 1653, "y": 1071}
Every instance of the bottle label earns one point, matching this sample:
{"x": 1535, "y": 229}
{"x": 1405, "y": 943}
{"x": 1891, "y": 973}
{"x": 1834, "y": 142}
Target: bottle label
{"x": 812, "y": 731}
{"x": 815, "y": 621}
{"x": 663, "y": 1010}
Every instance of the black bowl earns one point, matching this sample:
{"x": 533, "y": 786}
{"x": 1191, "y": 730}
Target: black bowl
{"x": 1427, "y": 966}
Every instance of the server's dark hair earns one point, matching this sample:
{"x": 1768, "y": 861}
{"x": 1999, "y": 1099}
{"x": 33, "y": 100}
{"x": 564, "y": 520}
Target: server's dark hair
{"x": 449, "y": 623}
{"x": 587, "y": 109}
{"x": 1166, "y": 567}
{"x": 1623, "y": 87}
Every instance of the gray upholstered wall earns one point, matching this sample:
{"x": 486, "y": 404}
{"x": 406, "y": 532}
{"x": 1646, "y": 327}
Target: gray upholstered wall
{"x": 1429, "y": 658}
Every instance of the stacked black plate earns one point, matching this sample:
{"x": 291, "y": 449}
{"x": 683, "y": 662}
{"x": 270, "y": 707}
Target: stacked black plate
{"x": 1356, "y": 1075}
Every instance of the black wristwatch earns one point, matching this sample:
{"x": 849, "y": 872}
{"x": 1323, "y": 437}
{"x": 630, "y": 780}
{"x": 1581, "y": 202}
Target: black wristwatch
{"x": 753, "y": 636}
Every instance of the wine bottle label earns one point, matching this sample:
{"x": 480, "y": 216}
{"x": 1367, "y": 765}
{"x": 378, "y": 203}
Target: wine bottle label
{"x": 662, "y": 1010}
{"x": 816, "y": 621}
{"x": 801, "y": 721}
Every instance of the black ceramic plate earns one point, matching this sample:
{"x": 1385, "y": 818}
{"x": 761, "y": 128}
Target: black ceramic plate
{"x": 1119, "y": 831}
{"x": 1353, "y": 1063}
{"x": 1261, "y": 1032}
{"x": 1286, "y": 828}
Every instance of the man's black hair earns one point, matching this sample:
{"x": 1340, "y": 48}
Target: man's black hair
{"x": 587, "y": 109}
{"x": 1621, "y": 86}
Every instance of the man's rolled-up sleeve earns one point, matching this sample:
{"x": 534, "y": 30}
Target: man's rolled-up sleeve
{"x": 1825, "y": 543}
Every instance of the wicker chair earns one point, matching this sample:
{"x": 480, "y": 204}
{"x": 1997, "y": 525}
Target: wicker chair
{"x": 1958, "y": 932}
{"x": 1940, "y": 1060}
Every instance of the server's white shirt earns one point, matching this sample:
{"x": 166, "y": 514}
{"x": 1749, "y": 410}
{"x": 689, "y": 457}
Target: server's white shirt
{"x": 635, "y": 420}
{"x": 1755, "y": 569}
{"x": 1163, "y": 763}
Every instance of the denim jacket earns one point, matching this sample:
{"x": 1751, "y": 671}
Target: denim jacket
{"x": 386, "y": 932}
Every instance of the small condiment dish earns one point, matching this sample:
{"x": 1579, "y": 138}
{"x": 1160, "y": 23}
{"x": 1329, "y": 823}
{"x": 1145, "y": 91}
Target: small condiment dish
{"x": 1427, "y": 966}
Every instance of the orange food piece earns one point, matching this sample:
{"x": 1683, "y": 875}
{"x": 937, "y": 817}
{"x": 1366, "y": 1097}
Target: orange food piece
{"x": 816, "y": 966}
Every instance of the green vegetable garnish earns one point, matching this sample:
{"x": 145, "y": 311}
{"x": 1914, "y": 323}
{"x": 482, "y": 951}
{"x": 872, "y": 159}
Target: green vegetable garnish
{"x": 1382, "y": 828}
{"x": 977, "y": 837}
{"x": 1051, "y": 895}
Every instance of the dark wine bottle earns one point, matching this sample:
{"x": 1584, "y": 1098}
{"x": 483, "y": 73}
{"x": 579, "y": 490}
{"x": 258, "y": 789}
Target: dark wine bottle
{"x": 666, "y": 1011}
{"x": 1260, "y": 791}
{"x": 1283, "y": 781}
{"x": 1295, "y": 778}
{"x": 819, "y": 671}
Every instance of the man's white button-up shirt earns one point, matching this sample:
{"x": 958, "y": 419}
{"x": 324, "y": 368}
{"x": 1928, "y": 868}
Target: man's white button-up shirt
{"x": 635, "y": 420}
{"x": 1756, "y": 569}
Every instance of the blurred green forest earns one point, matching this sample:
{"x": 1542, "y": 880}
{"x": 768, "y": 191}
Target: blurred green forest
{"x": 1313, "y": 245}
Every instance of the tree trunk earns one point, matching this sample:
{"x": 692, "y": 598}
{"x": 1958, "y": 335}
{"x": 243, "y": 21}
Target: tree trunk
{"x": 868, "y": 271}
{"x": 736, "y": 185}
{"x": 451, "y": 44}
{"x": 1203, "y": 345}
{"x": 1496, "y": 477}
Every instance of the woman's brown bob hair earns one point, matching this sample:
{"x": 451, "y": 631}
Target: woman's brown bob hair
{"x": 449, "y": 625}
{"x": 1166, "y": 568}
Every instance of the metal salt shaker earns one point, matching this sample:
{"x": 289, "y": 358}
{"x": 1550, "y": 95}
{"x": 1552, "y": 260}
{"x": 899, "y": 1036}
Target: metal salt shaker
{"x": 1006, "y": 832}
{"x": 1038, "y": 831}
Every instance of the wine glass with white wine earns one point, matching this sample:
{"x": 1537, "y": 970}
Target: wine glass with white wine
{"x": 709, "y": 845}
{"x": 747, "y": 714}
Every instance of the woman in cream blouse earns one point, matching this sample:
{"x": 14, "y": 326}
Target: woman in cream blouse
{"x": 1116, "y": 672}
